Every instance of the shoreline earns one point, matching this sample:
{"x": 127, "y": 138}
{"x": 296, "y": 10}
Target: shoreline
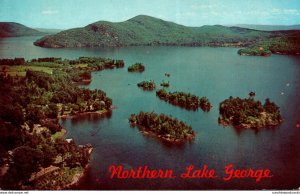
{"x": 163, "y": 138}
{"x": 78, "y": 176}
{"x": 248, "y": 126}
{"x": 82, "y": 113}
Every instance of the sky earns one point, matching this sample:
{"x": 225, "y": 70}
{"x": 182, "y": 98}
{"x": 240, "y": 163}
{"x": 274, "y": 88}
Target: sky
{"x": 64, "y": 14}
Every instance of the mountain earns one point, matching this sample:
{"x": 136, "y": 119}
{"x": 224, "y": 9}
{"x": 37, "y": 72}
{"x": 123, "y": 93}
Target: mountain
{"x": 11, "y": 29}
{"x": 146, "y": 30}
{"x": 269, "y": 27}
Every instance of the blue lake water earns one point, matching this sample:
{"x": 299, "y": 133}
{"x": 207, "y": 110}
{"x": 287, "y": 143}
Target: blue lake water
{"x": 216, "y": 73}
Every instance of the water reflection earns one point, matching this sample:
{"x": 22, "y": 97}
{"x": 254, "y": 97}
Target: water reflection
{"x": 90, "y": 117}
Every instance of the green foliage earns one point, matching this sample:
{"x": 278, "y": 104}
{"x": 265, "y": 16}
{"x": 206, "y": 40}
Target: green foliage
{"x": 204, "y": 104}
{"x": 49, "y": 154}
{"x": 163, "y": 126}
{"x": 249, "y": 113}
{"x": 10, "y": 136}
{"x": 52, "y": 125}
{"x": 165, "y": 84}
{"x": 29, "y": 108}
{"x": 43, "y": 80}
{"x": 46, "y": 59}
{"x": 137, "y": 67}
{"x": 34, "y": 113}
{"x": 145, "y": 30}
{"x": 255, "y": 51}
{"x": 26, "y": 160}
{"x": 15, "y": 61}
{"x": 12, "y": 113}
{"x": 147, "y": 85}
{"x": 57, "y": 179}
{"x": 52, "y": 111}
{"x": 287, "y": 44}
{"x": 184, "y": 100}
{"x": 11, "y": 29}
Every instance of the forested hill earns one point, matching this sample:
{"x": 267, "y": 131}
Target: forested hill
{"x": 146, "y": 30}
{"x": 11, "y": 29}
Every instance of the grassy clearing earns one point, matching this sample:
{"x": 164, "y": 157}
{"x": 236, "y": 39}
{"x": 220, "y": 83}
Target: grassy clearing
{"x": 21, "y": 70}
{"x": 80, "y": 65}
{"x": 58, "y": 135}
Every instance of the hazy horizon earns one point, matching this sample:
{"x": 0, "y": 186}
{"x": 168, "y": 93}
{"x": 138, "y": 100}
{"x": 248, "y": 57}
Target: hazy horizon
{"x": 56, "y": 14}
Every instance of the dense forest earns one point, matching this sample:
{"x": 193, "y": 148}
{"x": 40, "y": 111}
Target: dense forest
{"x": 163, "y": 126}
{"x": 165, "y": 84}
{"x": 249, "y": 113}
{"x": 137, "y": 67}
{"x": 288, "y": 45}
{"x": 184, "y": 100}
{"x": 147, "y": 85}
{"x": 31, "y": 138}
{"x": 146, "y": 30}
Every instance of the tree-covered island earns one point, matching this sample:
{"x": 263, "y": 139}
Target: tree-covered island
{"x": 137, "y": 67}
{"x": 147, "y": 85}
{"x": 162, "y": 126}
{"x": 165, "y": 84}
{"x": 249, "y": 113}
{"x": 184, "y": 100}
{"x": 34, "y": 153}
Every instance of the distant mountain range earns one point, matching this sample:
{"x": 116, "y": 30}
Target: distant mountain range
{"x": 11, "y": 29}
{"x": 146, "y": 30}
{"x": 269, "y": 27}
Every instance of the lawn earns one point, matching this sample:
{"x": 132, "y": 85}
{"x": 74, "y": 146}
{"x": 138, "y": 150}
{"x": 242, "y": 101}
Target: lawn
{"x": 21, "y": 70}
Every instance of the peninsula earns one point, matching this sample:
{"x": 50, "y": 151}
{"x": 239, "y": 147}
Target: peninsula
{"x": 34, "y": 152}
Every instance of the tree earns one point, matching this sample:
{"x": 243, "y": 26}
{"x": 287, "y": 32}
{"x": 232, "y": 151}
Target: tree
{"x": 26, "y": 160}
{"x": 49, "y": 154}
{"x": 12, "y": 113}
{"x": 52, "y": 111}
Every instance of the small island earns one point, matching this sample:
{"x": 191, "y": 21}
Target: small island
{"x": 184, "y": 100}
{"x": 147, "y": 85}
{"x": 137, "y": 67}
{"x": 165, "y": 84}
{"x": 249, "y": 113}
{"x": 254, "y": 51}
{"x": 162, "y": 126}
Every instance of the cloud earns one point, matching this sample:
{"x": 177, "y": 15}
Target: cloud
{"x": 49, "y": 12}
{"x": 285, "y": 11}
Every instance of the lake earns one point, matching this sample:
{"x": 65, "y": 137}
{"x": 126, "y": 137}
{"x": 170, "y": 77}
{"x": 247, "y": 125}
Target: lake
{"x": 216, "y": 73}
